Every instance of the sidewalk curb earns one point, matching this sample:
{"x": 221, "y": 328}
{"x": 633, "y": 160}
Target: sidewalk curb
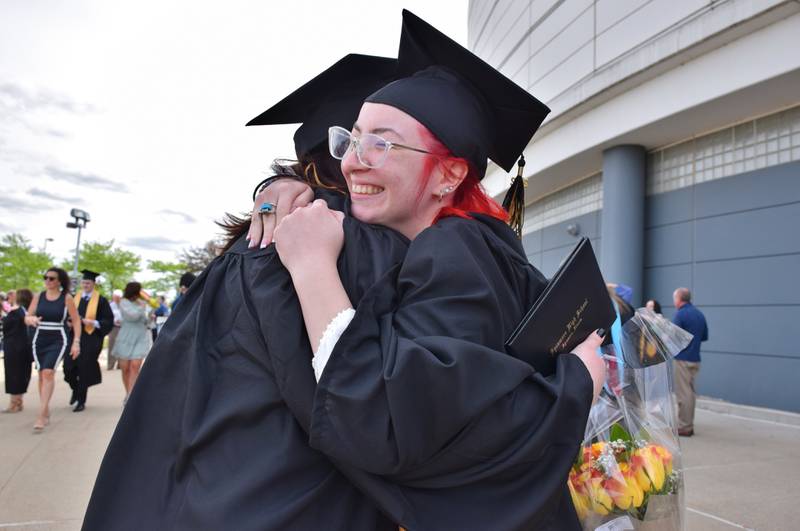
{"x": 758, "y": 413}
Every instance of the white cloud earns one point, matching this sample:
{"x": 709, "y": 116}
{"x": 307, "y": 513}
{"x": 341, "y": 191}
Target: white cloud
{"x": 156, "y": 107}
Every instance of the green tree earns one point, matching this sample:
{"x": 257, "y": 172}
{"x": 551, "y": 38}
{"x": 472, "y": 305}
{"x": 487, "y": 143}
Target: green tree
{"x": 20, "y": 265}
{"x": 197, "y": 258}
{"x": 169, "y": 275}
{"x": 117, "y": 266}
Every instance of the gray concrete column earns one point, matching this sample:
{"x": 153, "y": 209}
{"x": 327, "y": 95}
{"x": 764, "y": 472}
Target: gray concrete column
{"x": 622, "y": 221}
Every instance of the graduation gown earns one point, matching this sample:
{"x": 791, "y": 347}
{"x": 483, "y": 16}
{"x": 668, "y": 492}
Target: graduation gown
{"x": 206, "y": 440}
{"x": 420, "y": 405}
{"x": 17, "y": 352}
{"x": 85, "y": 370}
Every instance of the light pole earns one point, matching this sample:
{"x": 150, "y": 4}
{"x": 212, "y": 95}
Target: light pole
{"x": 81, "y": 219}
{"x": 44, "y": 248}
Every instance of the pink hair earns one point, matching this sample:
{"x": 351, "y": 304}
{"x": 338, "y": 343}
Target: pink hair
{"x": 469, "y": 196}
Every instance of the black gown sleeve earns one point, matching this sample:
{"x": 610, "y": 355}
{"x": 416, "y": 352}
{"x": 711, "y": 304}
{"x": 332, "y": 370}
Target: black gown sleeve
{"x": 105, "y": 316}
{"x": 419, "y": 390}
{"x": 13, "y": 321}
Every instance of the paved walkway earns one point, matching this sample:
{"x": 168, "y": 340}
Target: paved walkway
{"x": 741, "y": 473}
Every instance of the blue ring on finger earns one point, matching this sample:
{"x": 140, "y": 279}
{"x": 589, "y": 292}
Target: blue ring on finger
{"x": 267, "y": 208}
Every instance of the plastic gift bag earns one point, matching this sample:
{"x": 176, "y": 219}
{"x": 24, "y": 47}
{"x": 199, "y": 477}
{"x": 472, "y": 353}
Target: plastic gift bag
{"x": 628, "y": 474}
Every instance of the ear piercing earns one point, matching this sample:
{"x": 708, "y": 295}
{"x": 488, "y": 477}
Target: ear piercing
{"x": 444, "y": 191}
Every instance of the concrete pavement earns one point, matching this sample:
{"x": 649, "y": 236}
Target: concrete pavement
{"x": 741, "y": 472}
{"x": 46, "y": 478}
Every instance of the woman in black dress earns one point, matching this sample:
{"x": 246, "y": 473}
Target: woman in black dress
{"x": 18, "y": 355}
{"x": 48, "y": 313}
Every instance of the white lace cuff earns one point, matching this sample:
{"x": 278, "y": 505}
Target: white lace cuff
{"x": 330, "y": 337}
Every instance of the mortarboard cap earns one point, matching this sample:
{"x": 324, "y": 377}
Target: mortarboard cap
{"x": 89, "y": 275}
{"x": 334, "y": 97}
{"x": 475, "y": 111}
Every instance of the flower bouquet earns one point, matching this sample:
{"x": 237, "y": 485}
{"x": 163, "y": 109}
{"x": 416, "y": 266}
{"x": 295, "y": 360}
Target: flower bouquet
{"x": 627, "y": 480}
{"x": 627, "y": 474}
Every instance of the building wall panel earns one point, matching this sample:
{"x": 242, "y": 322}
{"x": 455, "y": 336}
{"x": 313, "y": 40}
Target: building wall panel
{"x": 734, "y": 330}
{"x": 668, "y": 244}
{"x": 745, "y": 379}
{"x": 747, "y": 234}
{"x": 640, "y": 24}
{"x": 750, "y": 281}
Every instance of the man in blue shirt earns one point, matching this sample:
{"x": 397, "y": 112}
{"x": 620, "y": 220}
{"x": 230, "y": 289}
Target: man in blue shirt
{"x": 687, "y": 364}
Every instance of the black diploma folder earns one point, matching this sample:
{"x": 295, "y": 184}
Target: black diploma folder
{"x": 573, "y": 304}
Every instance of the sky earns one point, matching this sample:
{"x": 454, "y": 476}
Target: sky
{"x": 135, "y": 111}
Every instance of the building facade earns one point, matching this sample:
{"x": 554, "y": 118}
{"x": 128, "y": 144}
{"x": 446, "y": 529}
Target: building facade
{"x": 674, "y": 144}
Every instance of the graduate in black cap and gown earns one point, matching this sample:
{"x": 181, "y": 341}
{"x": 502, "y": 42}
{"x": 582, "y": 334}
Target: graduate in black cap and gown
{"x": 414, "y": 384}
{"x": 97, "y": 320}
{"x": 207, "y": 439}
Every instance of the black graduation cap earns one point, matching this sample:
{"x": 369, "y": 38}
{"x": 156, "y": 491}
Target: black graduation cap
{"x": 89, "y": 275}
{"x": 475, "y": 111}
{"x": 334, "y": 97}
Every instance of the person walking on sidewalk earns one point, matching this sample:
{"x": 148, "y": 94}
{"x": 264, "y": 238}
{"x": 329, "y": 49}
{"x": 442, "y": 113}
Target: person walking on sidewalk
{"x": 687, "y": 364}
{"x": 17, "y": 350}
{"x": 48, "y": 313}
{"x": 116, "y": 297}
{"x": 133, "y": 341}
{"x": 97, "y": 321}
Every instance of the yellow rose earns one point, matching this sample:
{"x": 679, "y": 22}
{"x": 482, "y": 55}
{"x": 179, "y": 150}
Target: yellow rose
{"x": 580, "y": 501}
{"x": 600, "y": 500}
{"x": 653, "y": 466}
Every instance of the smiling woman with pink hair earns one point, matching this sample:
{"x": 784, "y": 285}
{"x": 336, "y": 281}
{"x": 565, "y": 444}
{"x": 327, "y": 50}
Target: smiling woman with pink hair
{"x": 414, "y": 384}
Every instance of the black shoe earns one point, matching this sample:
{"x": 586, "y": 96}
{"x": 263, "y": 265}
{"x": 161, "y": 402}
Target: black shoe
{"x": 80, "y": 406}
{"x": 74, "y": 398}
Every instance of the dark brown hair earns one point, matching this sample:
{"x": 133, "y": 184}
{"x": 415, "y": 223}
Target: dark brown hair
{"x": 656, "y": 306}
{"x": 63, "y": 277}
{"x": 132, "y": 291}
{"x": 317, "y": 169}
{"x": 24, "y": 298}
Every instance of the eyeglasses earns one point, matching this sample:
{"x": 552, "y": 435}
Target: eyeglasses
{"x": 48, "y": 277}
{"x": 370, "y": 149}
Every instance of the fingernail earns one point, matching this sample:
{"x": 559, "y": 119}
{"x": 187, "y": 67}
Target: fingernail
{"x": 263, "y": 245}
{"x": 601, "y": 332}
{"x": 248, "y": 237}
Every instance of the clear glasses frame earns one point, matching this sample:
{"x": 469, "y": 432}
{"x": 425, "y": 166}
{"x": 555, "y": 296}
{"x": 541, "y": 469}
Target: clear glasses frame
{"x": 370, "y": 149}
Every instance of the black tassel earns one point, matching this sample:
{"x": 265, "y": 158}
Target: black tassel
{"x": 514, "y": 202}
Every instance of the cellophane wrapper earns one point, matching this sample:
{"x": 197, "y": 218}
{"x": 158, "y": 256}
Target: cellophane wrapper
{"x": 628, "y": 472}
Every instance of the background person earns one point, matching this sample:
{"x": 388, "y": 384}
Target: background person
{"x": 183, "y": 285}
{"x": 687, "y": 364}
{"x": 116, "y": 297}
{"x": 10, "y": 300}
{"x": 653, "y": 305}
{"x": 133, "y": 341}
{"x": 17, "y": 351}
{"x": 5, "y": 307}
{"x": 48, "y": 313}
{"x": 97, "y": 320}
{"x": 159, "y": 315}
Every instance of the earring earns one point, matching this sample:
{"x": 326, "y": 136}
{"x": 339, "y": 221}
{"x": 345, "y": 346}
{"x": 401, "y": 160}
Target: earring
{"x": 444, "y": 191}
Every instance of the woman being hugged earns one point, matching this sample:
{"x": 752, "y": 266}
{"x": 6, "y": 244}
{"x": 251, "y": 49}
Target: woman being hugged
{"x": 48, "y": 313}
{"x": 414, "y": 385}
